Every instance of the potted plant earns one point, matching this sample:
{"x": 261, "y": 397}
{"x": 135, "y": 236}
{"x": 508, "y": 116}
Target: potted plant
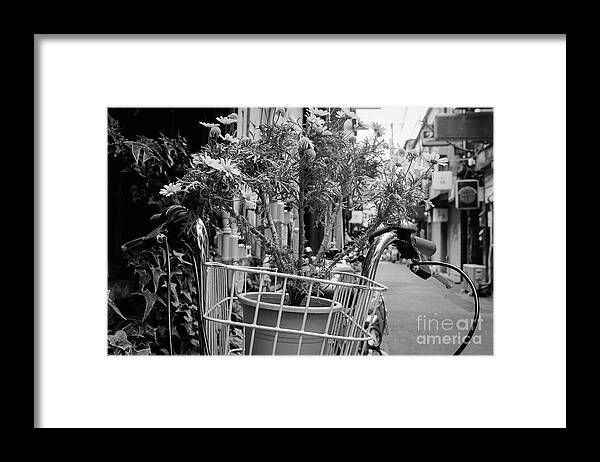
{"x": 316, "y": 165}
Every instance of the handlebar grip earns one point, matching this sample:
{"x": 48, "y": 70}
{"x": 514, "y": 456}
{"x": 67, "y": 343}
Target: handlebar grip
{"x": 426, "y": 247}
{"x": 139, "y": 241}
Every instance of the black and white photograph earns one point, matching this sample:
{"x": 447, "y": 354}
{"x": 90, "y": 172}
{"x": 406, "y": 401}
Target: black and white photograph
{"x": 300, "y": 231}
{"x": 248, "y": 231}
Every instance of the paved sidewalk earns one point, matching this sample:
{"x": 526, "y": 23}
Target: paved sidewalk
{"x": 425, "y": 318}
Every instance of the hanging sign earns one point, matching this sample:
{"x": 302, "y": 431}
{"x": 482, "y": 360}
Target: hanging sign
{"x": 469, "y": 126}
{"x": 441, "y": 181}
{"x": 467, "y": 194}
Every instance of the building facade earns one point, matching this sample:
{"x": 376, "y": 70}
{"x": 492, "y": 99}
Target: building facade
{"x": 462, "y": 230}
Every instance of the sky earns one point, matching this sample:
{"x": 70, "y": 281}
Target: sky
{"x": 400, "y": 121}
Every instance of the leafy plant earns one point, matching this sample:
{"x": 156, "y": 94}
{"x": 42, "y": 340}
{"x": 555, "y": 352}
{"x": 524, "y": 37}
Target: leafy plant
{"x": 313, "y": 165}
{"x": 141, "y": 327}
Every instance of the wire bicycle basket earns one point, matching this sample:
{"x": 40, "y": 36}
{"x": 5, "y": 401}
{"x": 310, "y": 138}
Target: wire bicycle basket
{"x": 252, "y": 303}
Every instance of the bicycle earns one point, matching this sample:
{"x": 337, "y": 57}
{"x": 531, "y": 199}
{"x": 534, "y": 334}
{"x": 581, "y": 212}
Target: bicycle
{"x": 350, "y": 307}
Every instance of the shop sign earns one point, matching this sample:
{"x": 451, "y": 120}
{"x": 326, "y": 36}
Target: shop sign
{"x": 467, "y": 194}
{"x": 477, "y": 126}
{"x": 441, "y": 181}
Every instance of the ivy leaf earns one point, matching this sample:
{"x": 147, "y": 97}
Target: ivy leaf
{"x": 179, "y": 256}
{"x": 151, "y": 299}
{"x": 190, "y": 330}
{"x": 140, "y": 330}
{"x": 116, "y": 310}
{"x": 187, "y": 294}
{"x": 145, "y": 351}
{"x": 119, "y": 340}
{"x": 174, "y": 298}
{"x": 144, "y": 277}
{"x": 135, "y": 149}
{"x": 114, "y": 306}
{"x": 168, "y": 151}
{"x": 147, "y": 155}
{"x": 157, "y": 252}
{"x": 156, "y": 275}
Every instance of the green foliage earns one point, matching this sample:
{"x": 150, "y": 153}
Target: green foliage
{"x": 142, "y": 328}
{"x": 147, "y": 329}
{"x": 153, "y": 162}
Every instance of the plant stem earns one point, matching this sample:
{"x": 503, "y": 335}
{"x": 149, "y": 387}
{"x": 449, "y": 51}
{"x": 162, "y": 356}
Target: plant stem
{"x": 269, "y": 217}
{"x": 329, "y": 225}
{"x": 263, "y": 239}
{"x": 300, "y": 216}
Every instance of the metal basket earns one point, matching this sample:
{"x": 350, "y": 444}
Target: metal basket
{"x": 248, "y": 305}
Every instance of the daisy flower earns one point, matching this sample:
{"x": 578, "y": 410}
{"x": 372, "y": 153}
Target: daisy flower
{"x": 230, "y": 139}
{"x": 397, "y": 159}
{"x": 212, "y": 163}
{"x": 306, "y": 143}
{"x": 170, "y": 189}
{"x": 315, "y": 121}
{"x": 229, "y": 168}
{"x": 361, "y": 124}
{"x": 318, "y": 112}
{"x": 208, "y": 125}
{"x": 412, "y": 154}
{"x": 434, "y": 158}
{"x": 378, "y": 129}
{"x": 226, "y": 120}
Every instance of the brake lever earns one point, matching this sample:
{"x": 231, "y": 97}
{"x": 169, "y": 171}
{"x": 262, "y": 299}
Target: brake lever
{"x": 422, "y": 271}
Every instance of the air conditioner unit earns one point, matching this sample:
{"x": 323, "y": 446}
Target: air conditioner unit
{"x": 477, "y": 273}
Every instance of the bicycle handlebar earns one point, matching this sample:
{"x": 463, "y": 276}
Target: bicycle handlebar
{"x": 410, "y": 246}
{"x": 140, "y": 241}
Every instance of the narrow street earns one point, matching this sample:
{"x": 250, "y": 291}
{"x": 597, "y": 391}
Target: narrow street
{"x": 425, "y": 318}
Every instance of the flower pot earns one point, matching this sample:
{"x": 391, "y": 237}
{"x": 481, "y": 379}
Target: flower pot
{"x": 291, "y": 318}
